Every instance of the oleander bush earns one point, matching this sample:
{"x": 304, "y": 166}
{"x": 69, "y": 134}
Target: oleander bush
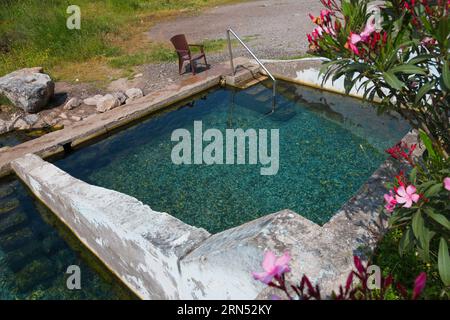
{"x": 397, "y": 53}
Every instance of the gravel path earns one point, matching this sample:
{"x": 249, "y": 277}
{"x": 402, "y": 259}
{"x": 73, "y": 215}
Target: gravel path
{"x": 277, "y": 29}
{"x": 278, "y": 26}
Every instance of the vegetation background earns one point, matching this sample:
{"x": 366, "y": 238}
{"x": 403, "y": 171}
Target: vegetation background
{"x": 111, "y": 40}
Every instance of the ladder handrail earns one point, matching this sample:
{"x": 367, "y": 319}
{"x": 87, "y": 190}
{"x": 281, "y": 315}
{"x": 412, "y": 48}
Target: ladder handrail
{"x": 230, "y": 31}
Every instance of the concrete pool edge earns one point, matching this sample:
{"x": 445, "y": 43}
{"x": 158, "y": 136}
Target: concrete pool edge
{"x": 166, "y": 258}
{"x": 323, "y": 252}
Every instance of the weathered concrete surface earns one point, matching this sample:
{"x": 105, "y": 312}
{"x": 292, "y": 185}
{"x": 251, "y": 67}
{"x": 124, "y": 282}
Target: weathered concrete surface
{"x": 220, "y": 267}
{"x": 307, "y": 72}
{"x": 99, "y": 124}
{"x": 244, "y": 73}
{"x": 141, "y": 246}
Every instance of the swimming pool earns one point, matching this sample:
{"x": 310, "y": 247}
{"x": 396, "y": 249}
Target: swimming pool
{"x": 328, "y": 146}
{"x": 35, "y": 253}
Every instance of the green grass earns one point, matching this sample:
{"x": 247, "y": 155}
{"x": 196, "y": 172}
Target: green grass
{"x": 297, "y": 57}
{"x": 4, "y": 101}
{"x": 161, "y": 53}
{"x": 34, "y": 33}
{"x": 407, "y": 267}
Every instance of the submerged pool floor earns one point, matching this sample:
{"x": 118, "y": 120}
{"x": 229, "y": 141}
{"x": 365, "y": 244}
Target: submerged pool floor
{"x": 329, "y": 146}
{"x": 34, "y": 257}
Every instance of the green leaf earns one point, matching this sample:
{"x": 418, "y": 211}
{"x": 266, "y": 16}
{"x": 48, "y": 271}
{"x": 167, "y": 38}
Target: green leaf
{"x": 413, "y": 175}
{"x": 405, "y": 242}
{"x": 428, "y": 144}
{"x": 393, "y": 81}
{"x": 408, "y": 69}
{"x": 425, "y": 239}
{"x": 418, "y": 224}
{"x": 423, "y": 91}
{"x": 433, "y": 190}
{"x": 439, "y": 218}
{"x": 446, "y": 75}
{"x": 348, "y": 82}
{"x": 444, "y": 262}
{"x": 420, "y": 58}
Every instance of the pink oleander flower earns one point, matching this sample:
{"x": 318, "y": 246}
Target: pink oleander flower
{"x": 428, "y": 41}
{"x": 447, "y": 183}
{"x": 419, "y": 285}
{"x": 368, "y": 30}
{"x": 353, "y": 39}
{"x": 390, "y": 201}
{"x": 273, "y": 267}
{"x": 407, "y": 196}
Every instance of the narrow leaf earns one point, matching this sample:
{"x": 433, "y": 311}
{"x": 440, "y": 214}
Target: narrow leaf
{"x": 424, "y": 90}
{"x": 439, "y": 218}
{"x": 444, "y": 262}
{"x": 446, "y": 75}
{"x": 408, "y": 69}
{"x": 428, "y": 144}
{"x": 393, "y": 81}
{"x": 418, "y": 224}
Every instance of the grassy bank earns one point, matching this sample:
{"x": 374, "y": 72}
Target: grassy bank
{"x": 110, "y": 42}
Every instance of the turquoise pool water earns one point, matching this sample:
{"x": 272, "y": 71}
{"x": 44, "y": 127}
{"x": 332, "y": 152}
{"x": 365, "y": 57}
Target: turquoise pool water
{"x": 34, "y": 257}
{"x": 329, "y": 146}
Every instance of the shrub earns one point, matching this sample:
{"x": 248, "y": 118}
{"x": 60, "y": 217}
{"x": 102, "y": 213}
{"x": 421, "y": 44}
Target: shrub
{"x": 400, "y": 55}
{"x": 356, "y": 287}
{"x": 399, "y": 52}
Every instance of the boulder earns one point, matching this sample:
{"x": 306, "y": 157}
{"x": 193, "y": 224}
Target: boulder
{"x": 28, "y": 89}
{"x": 72, "y": 103}
{"x": 107, "y": 102}
{"x": 31, "y": 119}
{"x": 120, "y": 96}
{"x": 134, "y": 93}
{"x": 21, "y": 124}
{"x": 3, "y": 126}
{"x": 92, "y": 101}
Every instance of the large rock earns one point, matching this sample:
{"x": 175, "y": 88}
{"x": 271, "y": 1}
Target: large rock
{"x": 28, "y": 89}
{"x": 107, "y": 102}
{"x": 133, "y": 94}
{"x": 72, "y": 103}
{"x": 3, "y": 126}
{"x": 120, "y": 96}
{"x": 92, "y": 101}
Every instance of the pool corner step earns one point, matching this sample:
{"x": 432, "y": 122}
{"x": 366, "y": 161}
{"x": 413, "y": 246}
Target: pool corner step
{"x": 246, "y": 75}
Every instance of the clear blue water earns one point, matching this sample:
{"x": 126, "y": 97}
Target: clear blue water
{"x": 329, "y": 146}
{"x": 34, "y": 256}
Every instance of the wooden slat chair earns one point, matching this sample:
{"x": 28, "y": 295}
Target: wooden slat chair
{"x": 184, "y": 53}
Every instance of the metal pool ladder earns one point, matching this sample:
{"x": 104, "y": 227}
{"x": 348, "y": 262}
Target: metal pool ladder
{"x": 274, "y": 90}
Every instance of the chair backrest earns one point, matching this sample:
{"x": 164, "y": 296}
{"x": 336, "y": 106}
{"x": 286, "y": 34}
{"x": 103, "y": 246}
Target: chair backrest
{"x": 180, "y": 43}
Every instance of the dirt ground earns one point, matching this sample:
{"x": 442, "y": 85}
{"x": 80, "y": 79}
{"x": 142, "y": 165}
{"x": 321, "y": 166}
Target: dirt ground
{"x": 279, "y": 27}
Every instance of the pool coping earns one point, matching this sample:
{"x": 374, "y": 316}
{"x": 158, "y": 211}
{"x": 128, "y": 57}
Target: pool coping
{"x": 323, "y": 252}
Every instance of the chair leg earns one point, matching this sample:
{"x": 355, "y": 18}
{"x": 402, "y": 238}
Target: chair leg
{"x": 180, "y": 65}
{"x": 206, "y": 63}
{"x": 193, "y": 67}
